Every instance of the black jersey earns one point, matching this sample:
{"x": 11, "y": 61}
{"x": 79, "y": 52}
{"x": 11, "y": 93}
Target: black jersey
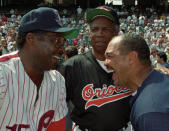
{"x": 98, "y": 104}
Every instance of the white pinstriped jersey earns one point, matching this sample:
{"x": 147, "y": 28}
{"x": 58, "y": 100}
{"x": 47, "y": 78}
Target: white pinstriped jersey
{"x": 18, "y": 110}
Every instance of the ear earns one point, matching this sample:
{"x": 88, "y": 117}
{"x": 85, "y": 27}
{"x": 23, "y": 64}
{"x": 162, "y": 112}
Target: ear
{"x": 66, "y": 57}
{"x": 30, "y": 38}
{"x": 133, "y": 57}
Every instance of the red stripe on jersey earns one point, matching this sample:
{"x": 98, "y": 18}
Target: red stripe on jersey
{"x": 53, "y": 95}
{"x": 57, "y": 106}
{"x": 46, "y": 93}
{"x": 8, "y": 57}
{"x": 4, "y": 116}
{"x": 62, "y": 105}
{"x": 1, "y": 85}
{"x": 32, "y": 98}
{"x": 22, "y": 97}
{"x": 34, "y": 108}
{"x": 39, "y": 108}
{"x": 51, "y": 100}
{"x": 23, "y": 86}
{"x": 18, "y": 94}
{"x": 12, "y": 99}
{"x": 28, "y": 98}
{"x": 50, "y": 93}
{"x": 7, "y": 107}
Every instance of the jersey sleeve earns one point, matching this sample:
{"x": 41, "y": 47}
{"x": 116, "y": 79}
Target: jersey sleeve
{"x": 3, "y": 86}
{"x": 61, "y": 97}
{"x": 154, "y": 121}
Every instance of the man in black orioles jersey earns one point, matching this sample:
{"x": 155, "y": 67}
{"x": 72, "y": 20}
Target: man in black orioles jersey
{"x": 97, "y": 104}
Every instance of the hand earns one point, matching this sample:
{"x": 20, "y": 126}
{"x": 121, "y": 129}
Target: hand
{"x": 163, "y": 70}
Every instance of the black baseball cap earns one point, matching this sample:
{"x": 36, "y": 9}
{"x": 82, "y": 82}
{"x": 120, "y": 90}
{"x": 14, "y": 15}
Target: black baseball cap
{"x": 45, "y": 19}
{"x": 105, "y": 11}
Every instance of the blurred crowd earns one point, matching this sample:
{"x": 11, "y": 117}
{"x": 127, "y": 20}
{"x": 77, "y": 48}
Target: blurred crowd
{"x": 148, "y": 23}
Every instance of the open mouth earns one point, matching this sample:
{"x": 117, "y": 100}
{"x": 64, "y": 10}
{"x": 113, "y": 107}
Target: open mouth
{"x": 101, "y": 43}
{"x": 55, "y": 61}
{"x": 114, "y": 76}
{"x": 110, "y": 69}
{"x": 56, "y": 57}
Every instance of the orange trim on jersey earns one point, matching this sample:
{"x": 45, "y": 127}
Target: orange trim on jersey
{"x": 8, "y": 57}
{"x": 57, "y": 125}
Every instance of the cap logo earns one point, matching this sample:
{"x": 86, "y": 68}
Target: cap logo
{"x": 58, "y": 20}
{"x": 103, "y": 8}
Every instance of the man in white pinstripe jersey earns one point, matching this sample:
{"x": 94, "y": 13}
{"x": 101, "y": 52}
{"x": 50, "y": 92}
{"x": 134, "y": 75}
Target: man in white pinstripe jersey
{"x": 32, "y": 94}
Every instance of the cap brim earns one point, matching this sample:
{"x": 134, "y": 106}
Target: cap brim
{"x": 68, "y": 33}
{"x": 97, "y": 12}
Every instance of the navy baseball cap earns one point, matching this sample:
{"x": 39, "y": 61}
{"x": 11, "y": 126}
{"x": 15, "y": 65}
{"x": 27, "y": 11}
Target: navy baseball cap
{"x": 45, "y": 19}
{"x": 105, "y": 11}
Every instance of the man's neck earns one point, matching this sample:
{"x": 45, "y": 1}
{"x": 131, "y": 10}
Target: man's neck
{"x": 139, "y": 77}
{"x": 98, "y": 56}
{"x": 35, "y": 75}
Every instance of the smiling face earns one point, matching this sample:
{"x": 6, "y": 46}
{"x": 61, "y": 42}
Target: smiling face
{"x": 117, "y": 62}
{"x": 101, "y": 32}
{"x": 48, "y": 47}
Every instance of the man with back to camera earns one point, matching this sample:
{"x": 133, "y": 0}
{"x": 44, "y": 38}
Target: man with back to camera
{"x": 32, "y": 93}
{"x": 129, "y": 56}
{"x": 69, "y": 52}
{"x": 98, "y": 104}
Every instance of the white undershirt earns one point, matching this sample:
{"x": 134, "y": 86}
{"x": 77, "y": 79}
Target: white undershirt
{"x": 101, "y": 63}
